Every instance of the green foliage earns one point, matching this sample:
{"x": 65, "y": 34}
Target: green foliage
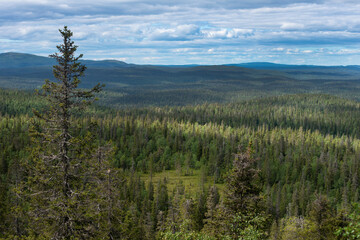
{"x": 185, "y": 234}
{"x": 251, "y": 226}
{"x": 299, "y": 228}
{"x": 352, "y": 228}
{"x": 324, "y": 216}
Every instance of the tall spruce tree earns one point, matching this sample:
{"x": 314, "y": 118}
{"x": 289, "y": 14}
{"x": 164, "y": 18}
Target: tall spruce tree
{"x": 240, "y": 215}
{"x": 243, "y": 201}
{"x": 65, "y": 171}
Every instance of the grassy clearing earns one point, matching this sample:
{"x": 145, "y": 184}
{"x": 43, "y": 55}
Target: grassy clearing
{"x": 191, "y": 182}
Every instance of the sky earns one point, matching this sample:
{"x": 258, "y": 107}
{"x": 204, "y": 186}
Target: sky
{"x": 177, "y": 32}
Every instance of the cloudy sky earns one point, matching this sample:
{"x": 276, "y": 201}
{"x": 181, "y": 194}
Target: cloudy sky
{"x": 323, "y": 32}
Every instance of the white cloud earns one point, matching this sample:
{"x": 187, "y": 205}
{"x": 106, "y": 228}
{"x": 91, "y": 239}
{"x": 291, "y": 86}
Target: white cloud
{"x": 292, "y": 26}
{"x": 279, "y": 49}
{"x": 10, "y": 41}
{"x": 307, "y": 51}
{"x": 168, "y": 31}
{"x": 227, "y": 33}
{"x": 179, "y": 33}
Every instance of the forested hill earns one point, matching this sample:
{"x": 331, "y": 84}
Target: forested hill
{"x": 144, "y": 85}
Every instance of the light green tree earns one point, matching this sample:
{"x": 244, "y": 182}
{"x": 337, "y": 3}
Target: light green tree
{"x": 299, "y": 228}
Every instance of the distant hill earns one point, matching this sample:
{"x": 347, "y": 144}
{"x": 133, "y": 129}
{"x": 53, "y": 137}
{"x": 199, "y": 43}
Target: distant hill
{"x": 308, "y": 72}
{"x": 120, "y": 74}
{"x": 268, "y": 65}
{"x": 19, "y": 60}
{"x": 130, "y": 84}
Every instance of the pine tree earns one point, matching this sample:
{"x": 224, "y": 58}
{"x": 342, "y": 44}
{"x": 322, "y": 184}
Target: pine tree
{"x": 65, "y": 171}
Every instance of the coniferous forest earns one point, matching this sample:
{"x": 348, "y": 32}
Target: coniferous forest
{"x": 277, "y": 167}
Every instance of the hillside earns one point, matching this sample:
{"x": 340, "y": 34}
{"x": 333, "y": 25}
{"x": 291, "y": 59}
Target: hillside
{"x": 144, "y": 85}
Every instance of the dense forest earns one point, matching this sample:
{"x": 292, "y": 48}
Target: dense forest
{"x": 306, "y": 147}
{"x": 278, "y": 167}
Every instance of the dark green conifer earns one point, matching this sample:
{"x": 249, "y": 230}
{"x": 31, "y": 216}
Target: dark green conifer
{"x": 65, "y": 171}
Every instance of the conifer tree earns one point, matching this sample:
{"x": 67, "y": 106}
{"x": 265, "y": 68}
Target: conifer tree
{"x": 243, "y": 192}
{"x": 211, "y": 203}
{"x": 241, "y": 215}
{"x": 322, "y": 215}
{"x": 243, "y": 201}
{"x": 65, "y": 171}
